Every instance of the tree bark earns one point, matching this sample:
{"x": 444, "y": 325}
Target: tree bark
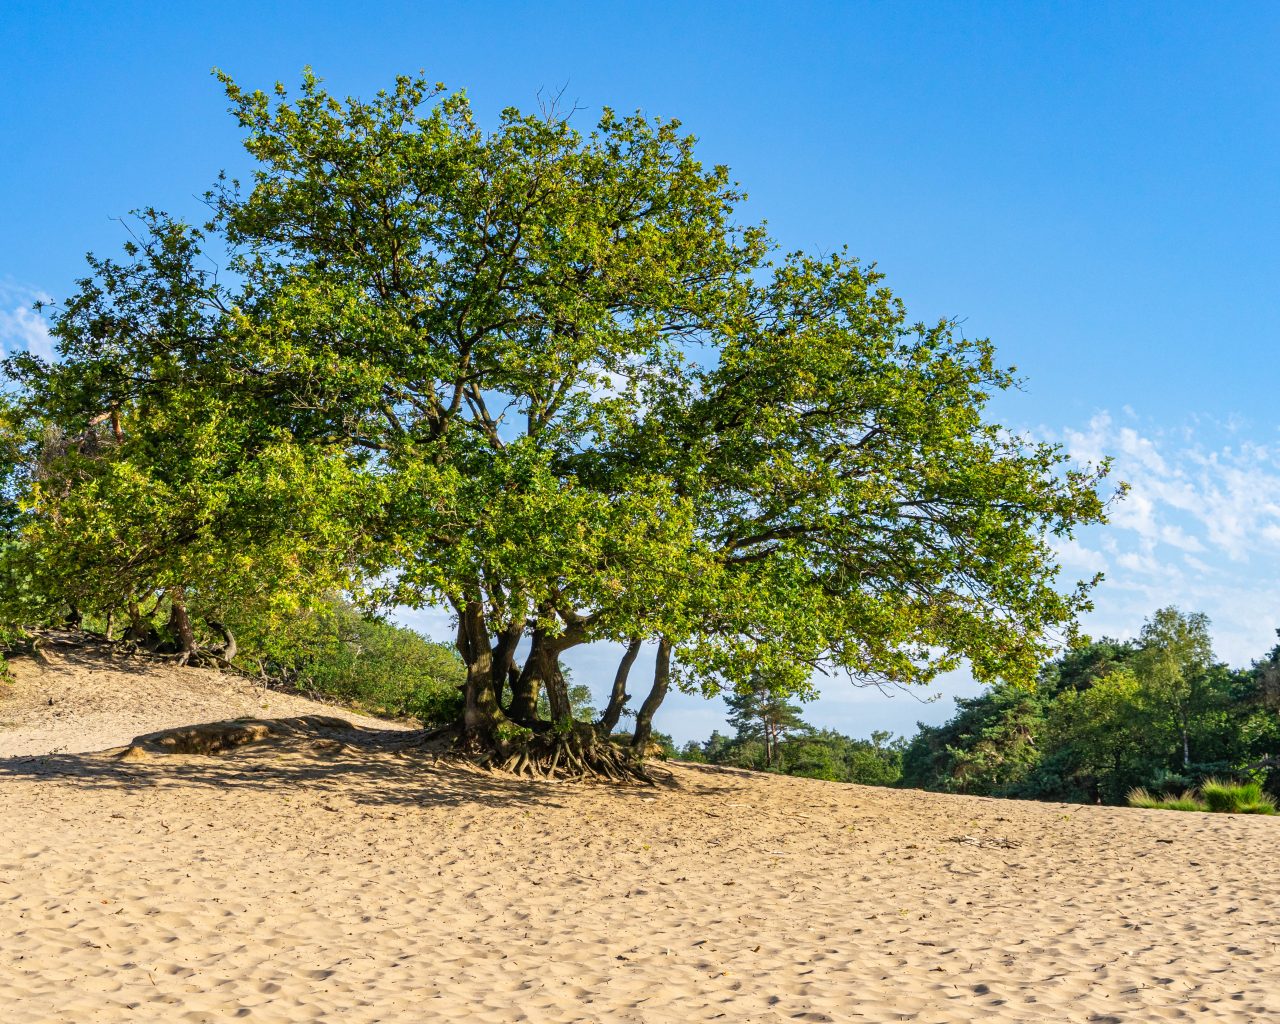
{"x": 136, "y": 631}
{"x": 557, "y": 688}
{"x": 523, "y": 706}
{"x": 661, "y": 679}
{"x": 619, "y": 697}
{"x": 544, "y": 663}
{"x": 542, "y": 669}
{"x": 504, "y": 653}
{"x": 229, "y": 645}
{"x": 524, "y": 693}
{"x": 481, "y": 713}
{"x": 180, "y": 622}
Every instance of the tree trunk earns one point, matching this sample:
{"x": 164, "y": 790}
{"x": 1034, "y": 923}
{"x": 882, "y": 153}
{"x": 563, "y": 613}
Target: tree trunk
{"x": 577, "y": 752}
{"x": 142, "y": 628}
{"x": 619, "y": 697}
{"x": 111, "y": 625}
{"x": 541, "y": 669}
{"x": 229, "y": 645}
{"x": 661, "y": 679}
{"x": 524, "y": 692}
{"x": 557, "y": 687}
{"x": 481, "y": 714}
{"x": 523, "y": 706}
{"x": 180, "y": 622}
{"x": 504, "y": 653}
{"x": 136, "y": 631}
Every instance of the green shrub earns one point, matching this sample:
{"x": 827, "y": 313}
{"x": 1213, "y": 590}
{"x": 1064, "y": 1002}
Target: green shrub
{"x": 1164, "y": 781}
{"x": 663, "y": 746}
{"x": 813, "y": 761}
{"x": 387, "y": 669}
{"x": 336, "y": 653}
{"x": 1236, "y": 797}
{"x": 876, "y": 765}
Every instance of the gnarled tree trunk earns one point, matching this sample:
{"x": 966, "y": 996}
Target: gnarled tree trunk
{"x": 542, "y": 669}
{"x": 572, "y": 750}
{"x": 504, "y": 654}
{"x": 661, "y": 680}
{"x": 524, "y": 691}
{"x": 619, "y": 696}
{"x": 137, "y": 630}
{"x": 180, "y": 623}
{"x": 229, "y": 645}
{"x": 481, "y": 713}
{"x": 557, "y": 687}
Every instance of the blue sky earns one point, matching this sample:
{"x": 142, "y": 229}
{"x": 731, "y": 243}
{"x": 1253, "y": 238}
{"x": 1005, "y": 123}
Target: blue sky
{"x": 1091, "y": 185}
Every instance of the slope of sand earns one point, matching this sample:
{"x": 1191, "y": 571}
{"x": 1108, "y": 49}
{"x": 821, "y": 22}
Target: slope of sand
{"x": 293, "y": 881}
{"x": 89, "y": 698}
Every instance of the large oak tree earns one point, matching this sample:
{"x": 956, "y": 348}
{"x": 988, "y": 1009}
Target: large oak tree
{"x": 580, "y": 401}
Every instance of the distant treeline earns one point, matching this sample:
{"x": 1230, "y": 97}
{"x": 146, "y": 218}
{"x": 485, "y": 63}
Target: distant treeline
{"x": 1159, "y": 713}
{"x": 771, "y": 736}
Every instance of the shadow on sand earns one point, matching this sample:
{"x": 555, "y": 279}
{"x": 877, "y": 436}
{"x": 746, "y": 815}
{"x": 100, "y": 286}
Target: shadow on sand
{"x": 370, "y": 767}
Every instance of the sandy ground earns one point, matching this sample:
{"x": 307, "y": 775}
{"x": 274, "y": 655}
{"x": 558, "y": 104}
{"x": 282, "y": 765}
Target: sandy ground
{"x": 290, "y": 882}
{"x": 90, "y": 699}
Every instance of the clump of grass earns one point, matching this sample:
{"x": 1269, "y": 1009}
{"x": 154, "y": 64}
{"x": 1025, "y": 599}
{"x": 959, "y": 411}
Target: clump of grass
{"x": 1214, "y": 795}
{"x": 1186, "y": 801}
{"x": 1236, "y": 797}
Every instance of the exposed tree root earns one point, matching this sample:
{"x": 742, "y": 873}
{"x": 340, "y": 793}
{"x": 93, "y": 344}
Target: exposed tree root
{"x": 577, "y": 754}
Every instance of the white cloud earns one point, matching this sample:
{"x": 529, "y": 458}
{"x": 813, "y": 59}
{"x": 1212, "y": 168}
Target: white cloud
{"x": 1077, "y": 557}
{"x": 1140, "y": 450}
{"x": 21, "y": 327}
{"x": 1177, "y": 537}
{"x": 1200, "y": 528}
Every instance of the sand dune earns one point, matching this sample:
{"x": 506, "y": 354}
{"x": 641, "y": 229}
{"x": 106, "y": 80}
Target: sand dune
{"x": 88, "y": 698}
{"x": 291, "y": 880}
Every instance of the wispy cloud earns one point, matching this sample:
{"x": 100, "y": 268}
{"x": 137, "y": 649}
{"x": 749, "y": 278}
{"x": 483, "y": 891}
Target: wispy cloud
{"x": 21, "y": 327}
{"x": 1200, "y": 528}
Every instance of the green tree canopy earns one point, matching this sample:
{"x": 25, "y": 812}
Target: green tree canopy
{"x": 1106, "y": 717}
{"x": 759, "y": 711}
{"x": 145, "y": 473}
{"x": 1174, "y": 663}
